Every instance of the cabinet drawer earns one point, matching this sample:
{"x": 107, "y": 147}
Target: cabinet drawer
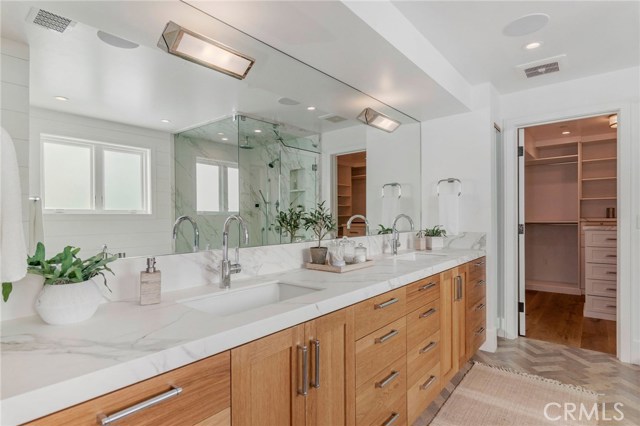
{"x": 600, "y": 239}
{"x": 422, "y": 292}
{"x": 600, "y": 271}
{"x": 376, "y": 397}
{"x": 601, "y": 288}
{"x": 395, "y": 415}
{"x": 379, "y": 349}
{"x": 423, "y": 322}
{"x": 476, "y": 314}
{"x": 606, "y": 305}
{"x": 476, "y": 290}
{"x": 379, "y": 311}
{"x": 422, "y": 393}
{"x": 476, "y": 337}
{"x": 423, "y": 357}
{"x": 601, "y": 255}
{"x": 477, "y": 269}
{"x": 206, "y": 391}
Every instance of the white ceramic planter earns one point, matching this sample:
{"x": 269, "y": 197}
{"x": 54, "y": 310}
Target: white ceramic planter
{"x": 435, "y": 243}
{"x": 68, "y": 303}
{"x": 420, "y": 243}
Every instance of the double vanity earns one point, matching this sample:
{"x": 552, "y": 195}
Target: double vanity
{"x": 371, "y": 347}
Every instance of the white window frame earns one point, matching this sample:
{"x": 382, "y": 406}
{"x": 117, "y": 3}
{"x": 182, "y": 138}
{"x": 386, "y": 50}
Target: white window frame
{"x": 223, "y": 177}
{"x": 97, "y": 175}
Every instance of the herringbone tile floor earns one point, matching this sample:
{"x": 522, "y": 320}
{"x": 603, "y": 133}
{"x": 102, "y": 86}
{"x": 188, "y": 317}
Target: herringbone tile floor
{"x": 602, "y": 373}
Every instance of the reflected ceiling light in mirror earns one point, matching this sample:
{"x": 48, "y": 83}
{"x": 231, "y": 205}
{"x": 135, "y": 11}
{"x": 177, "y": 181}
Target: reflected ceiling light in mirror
{"x": 378, "y": 120}
{"x": 220, "y": 134}
{"x": 566, "y": 132}
{"x": 613, "y": 121}
{"x": 532, "y": 45}
{"x": 164, "y": 120}
{"x": 225, "y": 139}
{"x": 204, "y": 51}
{"x": 311, "y": 108}
{"x": 61, "y": 98}
{"x": 258, "y": 131}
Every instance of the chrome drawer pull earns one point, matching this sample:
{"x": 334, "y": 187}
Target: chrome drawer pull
{"x": 316, "y": 380}
{"x": 391, "y": 420}
{"x": 387, "y": 303}
{"x": 428, "y": 347}
{"x": 428, "y": 383}
{"x": 387, "y": 336}
{"x": 611, "y": 273}
{"x": 390, "y": 378}
{"x": 428, "y": 313}
{"x": 427, "y": 286}
{"x": 305, "y": 366}
{"x": 479, "y": 331}
{"x": 480, "y": 282}
{"x": 106, "y": 420}
{"x": 610, "y": 306}
{"x": 479, "y": 307}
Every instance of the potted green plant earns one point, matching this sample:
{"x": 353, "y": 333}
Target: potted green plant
{"x": 434, "y": 237}
{"x": 320, "y": 221}
{"x": 383, "y": 230}
{"x": 69, "y": 293}
{"x": 290, "y": 220}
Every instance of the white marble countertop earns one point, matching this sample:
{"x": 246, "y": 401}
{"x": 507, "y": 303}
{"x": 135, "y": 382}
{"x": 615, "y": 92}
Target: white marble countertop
{"x": 48, "y": 368}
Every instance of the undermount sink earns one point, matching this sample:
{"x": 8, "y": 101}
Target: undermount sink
{"x": 244, "y": 299}
{"x": 418, "y": 255}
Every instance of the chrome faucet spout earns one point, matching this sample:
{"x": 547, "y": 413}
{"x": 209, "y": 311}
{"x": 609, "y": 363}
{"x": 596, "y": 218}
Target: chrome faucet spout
{"x": 395, "y": 239}
{"x": 226, "y": 267}
{"x": 194, "y": 225}
{"x": 359, "y": 216}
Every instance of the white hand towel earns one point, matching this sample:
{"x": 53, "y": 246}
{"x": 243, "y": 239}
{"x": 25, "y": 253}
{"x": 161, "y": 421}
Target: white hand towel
{"x": 36, "y": 229}
{"x": 13, "y": 251}
{"x": 449, "y": 213}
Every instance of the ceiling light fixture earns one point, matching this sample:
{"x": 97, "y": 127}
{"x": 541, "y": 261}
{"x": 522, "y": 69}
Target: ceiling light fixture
{"x": 220, "y": 134}
{"x": 258, "y": 131}
{"x": 164, "y": 120}
{"x": 532, "y": 45}
{"x": 311, "y": 108}
{"x": 204, "y": 51}
{"x": 378, "y": 120}
{"x": 613, "y": 121}
{"x": 61, "y": 98}
{"x": 566, "y": 132}
{"x": 225, "y": 139}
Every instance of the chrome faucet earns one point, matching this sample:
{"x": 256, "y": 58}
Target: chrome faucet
{"x": 196, "y": 231}
{"x": 226, "y": 267}
{"x": 358, "y": 216}
{"x": 395, "y": 239}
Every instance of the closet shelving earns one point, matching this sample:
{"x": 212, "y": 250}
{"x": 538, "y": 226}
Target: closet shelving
{"x": 352, "y": 178}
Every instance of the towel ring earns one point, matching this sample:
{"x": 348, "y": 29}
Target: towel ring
{"x": 34, "y": 198}
{"x": 393, "y": 185}
{"x": 449, "y": 180}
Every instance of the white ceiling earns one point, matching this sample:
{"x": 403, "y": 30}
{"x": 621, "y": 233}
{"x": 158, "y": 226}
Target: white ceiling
{"x": 596, "y": 36}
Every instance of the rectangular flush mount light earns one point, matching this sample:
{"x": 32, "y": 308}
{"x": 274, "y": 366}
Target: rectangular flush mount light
{"x": 204, "y": 51}
{"x": 378, "y": 120}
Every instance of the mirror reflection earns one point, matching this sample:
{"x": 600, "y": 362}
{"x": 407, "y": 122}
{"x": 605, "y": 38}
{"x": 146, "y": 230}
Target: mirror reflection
{"x": 137, "y": 151}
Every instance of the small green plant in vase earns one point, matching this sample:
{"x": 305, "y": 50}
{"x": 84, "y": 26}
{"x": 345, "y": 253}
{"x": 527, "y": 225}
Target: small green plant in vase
{"x": 320, "y": 221}
{"x": 290, "y": 220}
{"x": 434, "y": 237}
{"x": 384, "y": 230}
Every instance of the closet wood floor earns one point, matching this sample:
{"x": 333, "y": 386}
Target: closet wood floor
{"x": 558, "y": 318}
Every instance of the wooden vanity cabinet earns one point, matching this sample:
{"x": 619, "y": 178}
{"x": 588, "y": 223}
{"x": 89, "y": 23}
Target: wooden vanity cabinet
{"x": 300, "y": 376}
{"x": 204, "y": 399}
{"x": 476, "y": 306}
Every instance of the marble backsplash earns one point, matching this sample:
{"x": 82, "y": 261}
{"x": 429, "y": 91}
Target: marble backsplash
{"x": 180, "y": 271}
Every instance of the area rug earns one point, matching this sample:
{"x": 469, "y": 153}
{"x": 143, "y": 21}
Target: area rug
{"x": 495, "y": 396}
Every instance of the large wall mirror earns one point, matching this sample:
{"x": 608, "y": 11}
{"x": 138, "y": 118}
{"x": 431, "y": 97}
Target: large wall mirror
{"x": 130, "y": 144}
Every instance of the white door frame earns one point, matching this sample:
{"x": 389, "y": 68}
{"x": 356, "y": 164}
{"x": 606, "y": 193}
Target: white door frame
{"x": 627, "y": 203}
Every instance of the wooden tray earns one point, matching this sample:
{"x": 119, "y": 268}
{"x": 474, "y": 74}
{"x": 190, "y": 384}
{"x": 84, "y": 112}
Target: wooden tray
{"x": 339, "y": 269}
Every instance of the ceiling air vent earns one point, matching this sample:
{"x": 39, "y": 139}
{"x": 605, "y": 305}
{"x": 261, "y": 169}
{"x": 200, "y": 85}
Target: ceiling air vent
{"x": 333, "y": 118}
{"x": 543, "y": 66}
{"x": 50, "y": 20}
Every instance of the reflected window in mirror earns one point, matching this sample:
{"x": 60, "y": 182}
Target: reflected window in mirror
{"x": 217, "y": 186}
{"x": 89, "y": 177}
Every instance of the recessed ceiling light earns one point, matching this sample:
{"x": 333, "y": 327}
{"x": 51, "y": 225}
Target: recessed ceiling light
{"x": 566, "y": 132}
{"x": 311, "y": 108}
{"x": 220, "y": 134}
{"x": 225, "y": 139}
{"x": 164, "y": 120}
{"x": 61, "y": 98}
{"x": 258, "y": 131}
{"x": 533, "y": 45}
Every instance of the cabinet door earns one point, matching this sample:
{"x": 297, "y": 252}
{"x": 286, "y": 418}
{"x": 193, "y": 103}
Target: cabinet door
{"x": 267, "y": 377}
{"x": 331, "y": 341}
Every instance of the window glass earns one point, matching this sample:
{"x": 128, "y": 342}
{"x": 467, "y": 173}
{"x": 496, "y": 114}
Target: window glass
{"x": 67, "y": 176}
{"x": 123, "y": 182}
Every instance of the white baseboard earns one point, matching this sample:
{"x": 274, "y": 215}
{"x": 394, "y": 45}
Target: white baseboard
{"x": 599, "y": 315}
{"x": 491, "y": 343}
{"x": 554, "y": 287}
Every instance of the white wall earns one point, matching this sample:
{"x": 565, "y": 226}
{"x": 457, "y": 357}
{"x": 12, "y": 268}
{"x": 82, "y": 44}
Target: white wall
{"x": 603, "y": 93}
{"x": 14, "y": 105}
{"x": 134, "y": 235}
{"x": 462, "y": 146}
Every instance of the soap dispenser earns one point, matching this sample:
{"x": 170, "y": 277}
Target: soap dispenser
{"x": 150, "y": 283}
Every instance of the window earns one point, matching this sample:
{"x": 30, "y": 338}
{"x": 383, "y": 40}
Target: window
{"x": 217, "y": 186}
{"x": 88, "y": 177}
